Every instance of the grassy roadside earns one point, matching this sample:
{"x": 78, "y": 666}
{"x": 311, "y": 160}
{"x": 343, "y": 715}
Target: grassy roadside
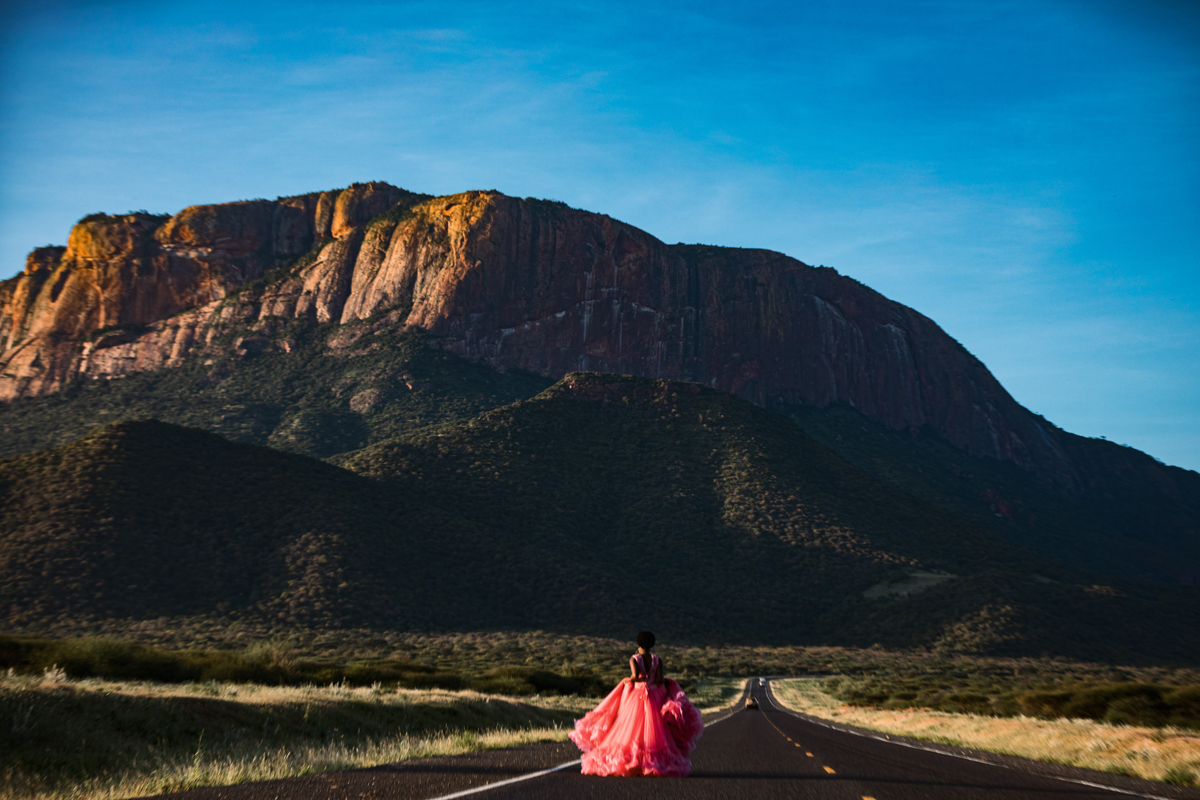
{"x": 716, "y": 694}
{"x": 90, "y": 739}
{"x": 172, "y": 649}
{"x": 1161, "y": 754}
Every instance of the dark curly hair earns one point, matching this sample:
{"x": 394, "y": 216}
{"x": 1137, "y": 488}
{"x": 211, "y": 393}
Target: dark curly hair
{"x": 645, "y": 639}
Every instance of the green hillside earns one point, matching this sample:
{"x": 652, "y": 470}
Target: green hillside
{"x": 143, "y": 519}
{"x": 339, "y": 388}
{"x": 1124, "y": 526}
{"x": 670, "y": 483}
{"x": 600, "y": 506}
{"x": 631, "y": 464}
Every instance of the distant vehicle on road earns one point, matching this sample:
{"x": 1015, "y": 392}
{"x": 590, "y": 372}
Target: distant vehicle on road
{"x": 751, "y": 702}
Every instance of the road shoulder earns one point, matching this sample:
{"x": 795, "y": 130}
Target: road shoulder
{"x": 1119, "y": 784}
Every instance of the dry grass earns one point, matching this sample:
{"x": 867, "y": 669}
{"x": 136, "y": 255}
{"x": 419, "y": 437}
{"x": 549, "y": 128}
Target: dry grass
{"x": 716, "y": 694}
{"x": 1160, "y": 754}
{"x": 94, "y": 739}
{"x": 170, "y": 774}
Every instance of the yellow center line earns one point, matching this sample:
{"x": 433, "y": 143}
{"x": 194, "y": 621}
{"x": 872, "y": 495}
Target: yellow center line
{"x": 867, "y": 797}
{"x": 810, "y": 755}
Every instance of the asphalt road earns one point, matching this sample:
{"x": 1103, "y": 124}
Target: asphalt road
{"x": 773, "y": 754}
{"x": 768, "y": 753}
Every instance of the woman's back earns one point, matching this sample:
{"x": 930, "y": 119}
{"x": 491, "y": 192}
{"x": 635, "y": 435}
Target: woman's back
{"x": 649, "y": 669}
{"x": 645, "y": 726}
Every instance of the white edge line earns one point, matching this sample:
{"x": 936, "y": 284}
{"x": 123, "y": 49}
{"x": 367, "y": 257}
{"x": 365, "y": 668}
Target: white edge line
{"x": 519, "y": 778}
{"x": 843, "y": 729}
{"x": 498, "y": 784}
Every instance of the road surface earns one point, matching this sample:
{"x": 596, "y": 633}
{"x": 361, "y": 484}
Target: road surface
{"x": 769, "y": 753}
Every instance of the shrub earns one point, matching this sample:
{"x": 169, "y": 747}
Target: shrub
{"x": 1135, "y": 710}
{"x": 1183, "y": 705}
{"x": 132, "y": 328}
{"x": 1180, "y": 777}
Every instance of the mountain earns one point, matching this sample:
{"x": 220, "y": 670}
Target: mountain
{"x": 336, "y": 391}
{"x": 594, "y": 506}
{"x": 335, "y": 388}
{"x": 516, "y": 283}
{"x": 196, "y": 309}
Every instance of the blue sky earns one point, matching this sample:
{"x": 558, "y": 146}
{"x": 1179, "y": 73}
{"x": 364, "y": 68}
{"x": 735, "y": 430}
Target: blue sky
{"x": 1025, "y": 173}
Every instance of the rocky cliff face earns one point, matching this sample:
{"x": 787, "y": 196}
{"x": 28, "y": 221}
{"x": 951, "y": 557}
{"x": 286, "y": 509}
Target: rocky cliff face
{"x": 120, "y": 276}
{"x": 515, "y": 283}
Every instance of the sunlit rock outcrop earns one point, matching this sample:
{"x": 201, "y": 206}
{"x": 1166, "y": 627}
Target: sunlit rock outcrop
{"x": 516, "y": 283}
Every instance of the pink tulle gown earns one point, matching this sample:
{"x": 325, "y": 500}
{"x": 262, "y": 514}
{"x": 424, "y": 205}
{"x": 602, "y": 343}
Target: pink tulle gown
{"x": 641, "y": 728}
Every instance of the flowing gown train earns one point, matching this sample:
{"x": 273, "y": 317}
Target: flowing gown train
{"x": 641, "y": 728}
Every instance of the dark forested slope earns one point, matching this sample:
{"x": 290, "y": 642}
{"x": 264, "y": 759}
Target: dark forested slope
{"x": 600, "y": 505}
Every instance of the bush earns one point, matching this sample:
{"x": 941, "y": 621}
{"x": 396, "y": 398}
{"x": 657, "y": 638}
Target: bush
{"x": 1094, "y": 702}
{"x": 1183, "y": 706}
{"x": 527, "y": 680}
{"x": 1180, "y": 777}
{"x": 963, "y": 690}
{"x": 271, "y": 663}
{"x": 131, "y": 328}
{"x": 967, "y": 703}
{"x": 1118, "y": 704}
{"x": 1135, "y": 710}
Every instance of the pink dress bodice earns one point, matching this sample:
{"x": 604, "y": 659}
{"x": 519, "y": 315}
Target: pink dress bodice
{"x": 648, "y": 674}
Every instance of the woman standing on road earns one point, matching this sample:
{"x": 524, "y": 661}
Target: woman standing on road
{"x": 646, "y": 726}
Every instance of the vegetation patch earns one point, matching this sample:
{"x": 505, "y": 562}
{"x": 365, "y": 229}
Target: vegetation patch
{"x": 102, "y": 739}
{"x": 533, "y": 515}
{"x": 259, "y": 398}
{"x": 911, "y": 584}
{"x": 271, "y": 663}
{"x": 399, "y": 213}
{"x": 112, "y": 218}
{"x": 1119, "y": 703}
{"x": 1123, "y": 529}
{"x": 1168, "y": 754}
{"x": 131, "y": 329}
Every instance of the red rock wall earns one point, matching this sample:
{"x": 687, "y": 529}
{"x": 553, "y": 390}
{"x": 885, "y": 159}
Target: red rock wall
{"x": 516, "y": 283}
{"x": 138, "y": 269}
